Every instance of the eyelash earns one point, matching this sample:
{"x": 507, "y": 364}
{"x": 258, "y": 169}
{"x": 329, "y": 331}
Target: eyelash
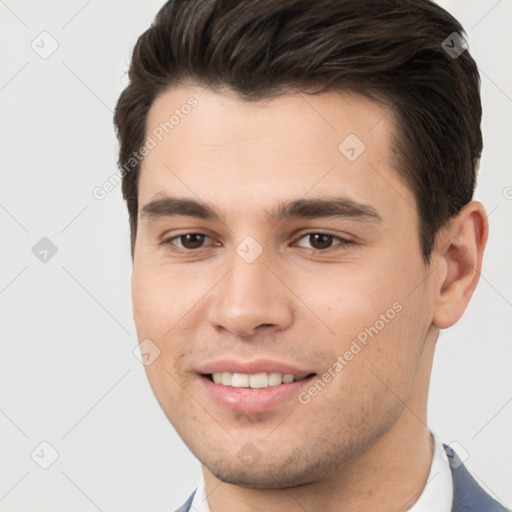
{"x": 343, "y": 242}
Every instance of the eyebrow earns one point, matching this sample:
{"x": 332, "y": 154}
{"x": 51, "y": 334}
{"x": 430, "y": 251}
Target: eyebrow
{"x": 341, "y": 207}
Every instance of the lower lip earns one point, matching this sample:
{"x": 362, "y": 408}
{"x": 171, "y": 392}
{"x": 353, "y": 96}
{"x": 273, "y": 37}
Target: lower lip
{"x": 248, "y": 400}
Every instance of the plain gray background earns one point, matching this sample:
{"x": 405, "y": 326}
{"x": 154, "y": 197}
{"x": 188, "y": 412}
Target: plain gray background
{"x": 68, "y": 376}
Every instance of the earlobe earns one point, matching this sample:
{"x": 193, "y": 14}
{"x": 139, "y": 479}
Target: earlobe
{"x": 460, "y": 248}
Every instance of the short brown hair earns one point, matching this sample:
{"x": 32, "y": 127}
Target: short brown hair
{"x": 390, "y": 50}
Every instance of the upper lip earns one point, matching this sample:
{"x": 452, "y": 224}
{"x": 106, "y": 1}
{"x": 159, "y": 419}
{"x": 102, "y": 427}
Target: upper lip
{"x": 251, "y": 367}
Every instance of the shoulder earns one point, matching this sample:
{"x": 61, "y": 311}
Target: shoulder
{"x": 468, "y": 496}
{"x": 186, "y": 506}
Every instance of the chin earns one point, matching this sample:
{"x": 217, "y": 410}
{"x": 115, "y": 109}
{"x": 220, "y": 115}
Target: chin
{"x": 266, "y": 479}
{"x": 292, "y": 472}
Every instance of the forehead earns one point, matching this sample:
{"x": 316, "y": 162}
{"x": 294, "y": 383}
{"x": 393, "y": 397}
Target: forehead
{"x": 218, "y": 146}
{"x": 215, "y": 118}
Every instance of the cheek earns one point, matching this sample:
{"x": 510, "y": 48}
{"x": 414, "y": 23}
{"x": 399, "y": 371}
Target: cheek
{"x": 381, "y": 304}
{"x": 164, "y": 302}
{"x": 159, "y": 298}
{"x": 349, "y": 298}
{"x": 157, "y": 306}
{"x": 147, "y": 301}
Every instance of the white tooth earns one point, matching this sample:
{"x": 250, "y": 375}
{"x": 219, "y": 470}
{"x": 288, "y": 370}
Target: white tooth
{"x": 226, "y": 378}
{"x": 255, "y": 381}
{"x": 240, "y": 380}
{"x": 258, "y": 380}
{"x": 275, "y": 378}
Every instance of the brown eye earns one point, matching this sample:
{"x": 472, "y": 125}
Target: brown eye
{"x": 186, "y": 241}
{"x": 320, "y": 240}
{"x": 323, "y": 241}
{"x": 192, "y": 240}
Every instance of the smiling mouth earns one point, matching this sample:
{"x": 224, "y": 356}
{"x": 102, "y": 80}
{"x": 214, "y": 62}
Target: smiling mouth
{"x": 255, "y": 380}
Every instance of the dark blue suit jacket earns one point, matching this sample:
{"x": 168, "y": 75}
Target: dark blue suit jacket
{"x": 468, "y": 496}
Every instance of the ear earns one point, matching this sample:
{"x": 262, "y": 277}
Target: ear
{"x": 459, "y": 252}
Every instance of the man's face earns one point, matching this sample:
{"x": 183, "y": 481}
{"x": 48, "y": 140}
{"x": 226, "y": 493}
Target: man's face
{"x": 342, "y": 302}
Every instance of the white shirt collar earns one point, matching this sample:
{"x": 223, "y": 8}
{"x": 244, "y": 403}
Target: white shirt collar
{"x": 436, "y": 495}
{"x": 438, "y": 491}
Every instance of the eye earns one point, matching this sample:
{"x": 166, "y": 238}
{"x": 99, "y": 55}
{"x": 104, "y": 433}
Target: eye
{"x": 323, "y": 241}
{"x": 186, "y": 241}
{"x": 318, "y": 241}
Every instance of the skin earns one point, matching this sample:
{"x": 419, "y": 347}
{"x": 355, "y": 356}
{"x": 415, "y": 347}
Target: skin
{"x": 362, "y": 443}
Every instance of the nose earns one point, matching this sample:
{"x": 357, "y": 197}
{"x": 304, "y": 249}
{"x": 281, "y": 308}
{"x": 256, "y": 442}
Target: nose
{"x": 250, "y": 298}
